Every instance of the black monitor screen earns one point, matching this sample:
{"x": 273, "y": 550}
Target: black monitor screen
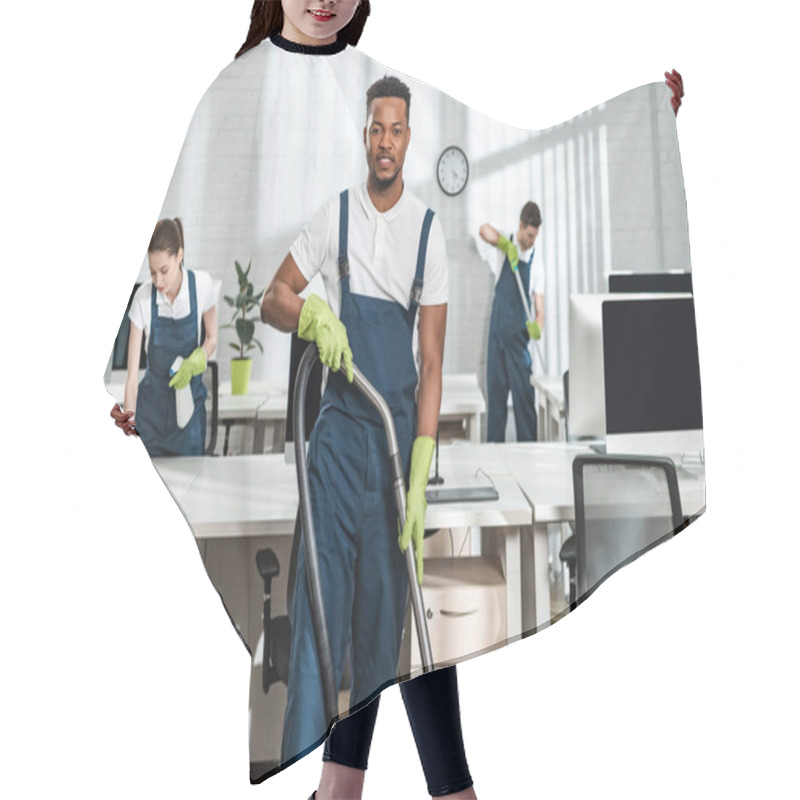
{"x": 650, "y": 282}
{"x": 652, "y": 372}
{"x": 119, "y": 356}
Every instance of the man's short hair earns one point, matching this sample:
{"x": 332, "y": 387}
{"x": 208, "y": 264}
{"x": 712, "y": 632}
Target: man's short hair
{"x": 530, "y": 215}
{"x": 390, "y": 86}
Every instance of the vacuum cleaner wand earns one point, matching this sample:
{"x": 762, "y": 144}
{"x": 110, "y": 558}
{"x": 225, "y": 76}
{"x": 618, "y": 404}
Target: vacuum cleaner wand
{"x": 321, "y": 637}
{"x": 369, "y": 391}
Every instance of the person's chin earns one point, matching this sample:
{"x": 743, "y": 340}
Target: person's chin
{"x": 382, "y": 183}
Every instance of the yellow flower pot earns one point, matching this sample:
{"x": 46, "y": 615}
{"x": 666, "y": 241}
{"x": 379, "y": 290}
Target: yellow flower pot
{"x": 240, "y": 374}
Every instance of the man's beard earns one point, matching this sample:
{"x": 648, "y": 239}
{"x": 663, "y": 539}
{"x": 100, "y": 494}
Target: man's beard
{"x": 382, "y": 184}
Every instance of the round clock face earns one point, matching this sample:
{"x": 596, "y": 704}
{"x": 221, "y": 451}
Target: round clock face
{"x": 452, "y": 170}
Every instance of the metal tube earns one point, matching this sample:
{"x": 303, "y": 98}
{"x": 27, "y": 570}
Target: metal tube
{"x": 418, "y": 607}
{"x": 321, "y": 637}
{"x": 324, "y": 657}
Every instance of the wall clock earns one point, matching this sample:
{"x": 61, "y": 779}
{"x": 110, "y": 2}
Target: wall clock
{"x": 452, "y": 171}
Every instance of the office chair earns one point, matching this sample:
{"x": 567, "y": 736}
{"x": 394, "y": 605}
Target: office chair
{"x": 624, "y": 506}
{"x": 567, "y": 553}
{"x": 276, "y": 635}
{"x": 211, "y": 381}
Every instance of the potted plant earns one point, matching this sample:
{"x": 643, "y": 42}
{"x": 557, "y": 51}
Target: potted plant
{"x": 244, "y": 302}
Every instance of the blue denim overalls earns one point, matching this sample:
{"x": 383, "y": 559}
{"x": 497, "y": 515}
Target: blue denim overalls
{"x": 155, "y": 404}
{"x": 508, "y": 364}
{"x": 362, "y": 571}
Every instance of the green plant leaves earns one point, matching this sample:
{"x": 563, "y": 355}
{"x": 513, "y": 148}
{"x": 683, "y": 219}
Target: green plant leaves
{"x": 245, "y": 328}
{"x": 245, "y": 301}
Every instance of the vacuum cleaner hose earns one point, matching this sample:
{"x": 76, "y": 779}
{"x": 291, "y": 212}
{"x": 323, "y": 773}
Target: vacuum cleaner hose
{"x": 329, "y": 690}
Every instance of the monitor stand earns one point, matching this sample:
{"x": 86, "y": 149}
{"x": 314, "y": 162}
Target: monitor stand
{"x": 680, "y": 446}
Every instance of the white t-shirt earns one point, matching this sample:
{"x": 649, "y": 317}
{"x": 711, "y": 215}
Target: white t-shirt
{"x": 382, "y": 250}
{"x": 139, "y": 313}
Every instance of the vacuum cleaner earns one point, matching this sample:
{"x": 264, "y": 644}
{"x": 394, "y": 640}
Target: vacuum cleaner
{"x": 276, "y": 657}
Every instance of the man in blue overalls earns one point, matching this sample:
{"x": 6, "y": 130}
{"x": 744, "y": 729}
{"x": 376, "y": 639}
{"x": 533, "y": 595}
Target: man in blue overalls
{"x": 382, "y": 257}
{"x": 508, "y": 365}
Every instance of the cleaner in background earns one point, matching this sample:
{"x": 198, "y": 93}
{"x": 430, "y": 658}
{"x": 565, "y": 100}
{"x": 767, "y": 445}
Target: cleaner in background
{"x": 168, "y": 310}
{"x": 508, "y": 366}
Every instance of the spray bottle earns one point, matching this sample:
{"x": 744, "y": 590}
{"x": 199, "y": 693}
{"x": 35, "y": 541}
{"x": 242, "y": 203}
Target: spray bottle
{"x": 184, "y": 402}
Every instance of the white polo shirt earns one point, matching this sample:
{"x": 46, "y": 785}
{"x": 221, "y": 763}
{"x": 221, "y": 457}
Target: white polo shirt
{"x": 382, "y": 250}
{"x": 139, "y": 313}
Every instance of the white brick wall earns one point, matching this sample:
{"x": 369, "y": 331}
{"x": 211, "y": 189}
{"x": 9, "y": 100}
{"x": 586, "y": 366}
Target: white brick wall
{"x": 608, "y": 182}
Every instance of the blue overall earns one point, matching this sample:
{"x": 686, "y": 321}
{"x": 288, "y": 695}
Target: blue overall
{"x": 509, "y": 360}
{"x": 155, "y": 405}
{"x": 362, "y": 571}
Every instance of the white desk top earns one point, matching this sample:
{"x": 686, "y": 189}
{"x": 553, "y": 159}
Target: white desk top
{"x": 225, "y": 497}
{"x": 461, "y": 395}
{"x": 257, "y": 495}
{"x": 543, "y": 471}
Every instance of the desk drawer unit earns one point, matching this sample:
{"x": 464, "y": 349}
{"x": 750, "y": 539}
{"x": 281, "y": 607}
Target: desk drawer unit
{"x": 465, "y": 601}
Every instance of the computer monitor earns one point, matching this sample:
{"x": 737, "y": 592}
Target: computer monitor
{"x": 587, "y": 411}
{"x": 652, "y": 377}
{"x": 119, "y": 355}
{"x": 650, "y": 282}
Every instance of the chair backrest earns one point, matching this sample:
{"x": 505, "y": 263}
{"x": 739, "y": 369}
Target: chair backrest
{"x": 624, "y": 506}
{"x": 119, "y": 355}
{"x": 313, "y": 390}
{"x": 211, "y": 381}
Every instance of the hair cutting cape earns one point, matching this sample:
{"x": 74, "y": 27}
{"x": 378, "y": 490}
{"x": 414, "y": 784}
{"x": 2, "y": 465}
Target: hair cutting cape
{"x": 276, "y": 136}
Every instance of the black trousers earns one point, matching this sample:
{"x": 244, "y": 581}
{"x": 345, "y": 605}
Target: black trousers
{"x": 431, "y": 702}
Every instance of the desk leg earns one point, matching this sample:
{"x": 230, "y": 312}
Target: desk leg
{"x": 536, "y": 573}
{"x": 228, "y": 424}
{"x": 510, "y": 554}
{"x": 541, "y": 417}
{"x": 258, "y": 436}
{"x": 279, "y": 436}
{"x": 474, "y": 422}
{"x": 513, "y": 569}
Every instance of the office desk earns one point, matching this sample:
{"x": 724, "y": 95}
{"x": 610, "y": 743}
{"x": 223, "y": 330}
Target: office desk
{"x": 543, "y": 472}
{"x": 232, "y": 408}
{"x": 257, "y": 495}
{"x": 243, "y": 409}
{"x": 226, "y": 498}
{"x": 265, "y": 404}
{"x": 550, "y": 397}
{"x": 250, "y": 496}
{"x": 462, "y": 399}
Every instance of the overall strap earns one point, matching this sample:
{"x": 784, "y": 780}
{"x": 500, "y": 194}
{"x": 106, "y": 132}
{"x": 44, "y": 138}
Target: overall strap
{"x": 153, "y": 315}
{"x": 344, "y": 219}
{"x": 193, "y": 308}
{"x": 416, "y": 289}
{"x": 192, "y": 293}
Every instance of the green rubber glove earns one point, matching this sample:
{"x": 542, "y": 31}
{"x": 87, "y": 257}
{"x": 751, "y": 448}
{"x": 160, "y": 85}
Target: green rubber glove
{"x": 416, "y": 505}
{"x": 534, "y": 329}
{"x": 319, "y": 324}
{"x": 510, "y": 249}
{"x": 195, "y": 364}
